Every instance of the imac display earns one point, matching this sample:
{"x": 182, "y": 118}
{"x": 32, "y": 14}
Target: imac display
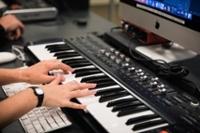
{"x": 175, "y": 20}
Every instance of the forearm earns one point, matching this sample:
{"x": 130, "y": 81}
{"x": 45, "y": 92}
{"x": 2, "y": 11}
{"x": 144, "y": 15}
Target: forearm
{"x": 12, "y": 76}
{"x": 14, "y": 107}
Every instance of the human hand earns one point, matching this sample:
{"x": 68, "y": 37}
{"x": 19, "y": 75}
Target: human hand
{"x": 38, "y": 73}
{"x": 16, "y": 6}
{"x": 56, "y": 95}
{"x": 12, "y": 26}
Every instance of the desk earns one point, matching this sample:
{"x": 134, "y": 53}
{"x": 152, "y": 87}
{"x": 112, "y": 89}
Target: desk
{"x": 63, "y": 27}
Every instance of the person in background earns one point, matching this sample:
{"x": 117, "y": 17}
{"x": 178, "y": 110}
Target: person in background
{"x": 10, "y": 28}
{"x": 55, "y": 94}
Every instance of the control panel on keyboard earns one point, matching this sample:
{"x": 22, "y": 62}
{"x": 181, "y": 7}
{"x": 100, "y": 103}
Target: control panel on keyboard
{"x": 129, "y": 97}
{"x": 41, "y": 119}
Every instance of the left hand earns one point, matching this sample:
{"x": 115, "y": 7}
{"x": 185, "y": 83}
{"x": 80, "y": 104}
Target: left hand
{"x": 38, "y": 73}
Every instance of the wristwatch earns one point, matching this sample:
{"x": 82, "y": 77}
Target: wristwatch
{"x": 38, "y": 91}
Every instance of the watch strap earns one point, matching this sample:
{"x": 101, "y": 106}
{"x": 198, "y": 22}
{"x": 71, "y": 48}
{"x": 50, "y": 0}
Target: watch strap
{"x": 39, "y": 97}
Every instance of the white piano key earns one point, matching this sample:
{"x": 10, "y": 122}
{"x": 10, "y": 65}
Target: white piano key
{"x": 85, "y": 67}
{"x": 41, "y": 52}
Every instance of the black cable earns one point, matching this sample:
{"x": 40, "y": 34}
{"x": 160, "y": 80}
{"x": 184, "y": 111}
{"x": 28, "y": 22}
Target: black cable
{"x": 161, "y": 67}
{"x": 174, "y": 72}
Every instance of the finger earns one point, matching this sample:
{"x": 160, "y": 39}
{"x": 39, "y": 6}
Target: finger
{"x": 81, "y": 93}
{"x": 57, "y": 80}
{"x": 17, "y": 33}
{"x": 74, "y": 85}
{"x": 55, "y": 64}
{"x": 75, "y": 105}
{"x": 20, "y": 25}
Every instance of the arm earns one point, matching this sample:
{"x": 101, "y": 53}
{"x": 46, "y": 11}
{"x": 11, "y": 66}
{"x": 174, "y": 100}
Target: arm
{"x": 11, "y": 76}
{"x": 15, "y": 106}
{"x": 55, "y": 95}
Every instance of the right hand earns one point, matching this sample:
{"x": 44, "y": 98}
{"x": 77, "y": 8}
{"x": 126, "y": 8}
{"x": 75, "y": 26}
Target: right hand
{"x": 56, "y": 95}
{"x": 13, "y": 26}
{"x": 38, "y": 73}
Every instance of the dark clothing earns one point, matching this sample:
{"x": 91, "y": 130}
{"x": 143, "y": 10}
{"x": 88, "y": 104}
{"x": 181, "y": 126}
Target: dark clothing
{"x": 3, "y": 35}
{"x": 10, "y": 2}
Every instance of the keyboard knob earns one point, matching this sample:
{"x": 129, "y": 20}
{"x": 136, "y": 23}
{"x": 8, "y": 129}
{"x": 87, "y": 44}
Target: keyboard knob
{"x": 118, "y": 61}
{"x": 127, "y": 59}
{"x": 154, "y": 84}
{"x": 117, "y": 53}
{"x": 107, "y": 54}
{"x": 143, "y": 78}
{"x": 125, "y": 64}
{"x": 112, "y": 50}
{"x": 122, "y": 56}
{"x": 131, "y": 69}
{"x": 102, "y": 51}
{"x": 112, "y": 57}
{"x": 155, "y": 79}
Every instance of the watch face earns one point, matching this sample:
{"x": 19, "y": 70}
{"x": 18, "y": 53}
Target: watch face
{"x": 39, "y": 91}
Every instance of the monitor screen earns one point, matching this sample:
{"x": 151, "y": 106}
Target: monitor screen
{"x": 178, "y": 20}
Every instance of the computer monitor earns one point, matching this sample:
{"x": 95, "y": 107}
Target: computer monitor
{"x": 175, "y": 20}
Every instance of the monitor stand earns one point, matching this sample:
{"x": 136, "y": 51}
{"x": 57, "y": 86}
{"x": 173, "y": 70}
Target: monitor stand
{"x": 173, "y": 54}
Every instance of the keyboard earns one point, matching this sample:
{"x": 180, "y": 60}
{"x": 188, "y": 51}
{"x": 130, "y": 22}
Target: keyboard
{"x": 113, "y": 106}
{"x": 130, "y": 98}
{"x": 34, "y": 10}
{"x": 41, "y": 119}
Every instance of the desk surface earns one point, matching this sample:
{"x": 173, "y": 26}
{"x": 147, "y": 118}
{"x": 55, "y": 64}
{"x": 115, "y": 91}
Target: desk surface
{"x": 63, "y": 27}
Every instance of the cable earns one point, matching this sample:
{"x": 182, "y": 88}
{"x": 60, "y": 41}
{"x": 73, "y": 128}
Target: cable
{"x": 19, "y": 54}
{"x": 161, "y": 67}
{"x": 173, "y": 72}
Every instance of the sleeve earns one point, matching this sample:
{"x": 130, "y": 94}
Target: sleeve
{"x": 10, "y": 2}
{"x": 3, "y": 34}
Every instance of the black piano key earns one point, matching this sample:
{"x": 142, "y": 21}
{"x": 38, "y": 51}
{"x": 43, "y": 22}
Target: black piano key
{"x": 88, "y": 79}
{"x": 132, "y": 110}
{"x": 82, "y": 64}
{"x": 100, "y": 80}
{"x": 141, "y": 119}
{"x": 107, "y": 91}
{"x": 113, "y": 96}
{"x": 66, "y": 55}
{"x": 120, "y": 101}
{"x": 59, "y": 49}
{"x": 56, "y": 46}
{"x": 105, "y": 84}
{"x": 86, "y": 71}
{"x": 127, "y": 105}
{"x": 148, "y": 124}
{"x": 75, "y": 60}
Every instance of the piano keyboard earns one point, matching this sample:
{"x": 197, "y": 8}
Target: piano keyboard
{"x": 113, "y": 106}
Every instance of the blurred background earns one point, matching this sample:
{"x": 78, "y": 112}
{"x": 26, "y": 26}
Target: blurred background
{"x": 106, "y": 8}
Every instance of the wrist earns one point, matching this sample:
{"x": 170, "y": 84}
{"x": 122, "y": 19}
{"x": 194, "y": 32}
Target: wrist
{"x": 39, "y": 93}
{"x": 23, "y": 75}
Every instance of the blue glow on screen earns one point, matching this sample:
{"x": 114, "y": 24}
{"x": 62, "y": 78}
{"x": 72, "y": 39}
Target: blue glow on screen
{"x": 180, "y": 8}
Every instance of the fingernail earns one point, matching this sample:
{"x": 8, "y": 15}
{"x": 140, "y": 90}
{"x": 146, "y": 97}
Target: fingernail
{"x": 93, "y": 84}
{"x": 93, "y": 92}
{"x": 83, "y": 107}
